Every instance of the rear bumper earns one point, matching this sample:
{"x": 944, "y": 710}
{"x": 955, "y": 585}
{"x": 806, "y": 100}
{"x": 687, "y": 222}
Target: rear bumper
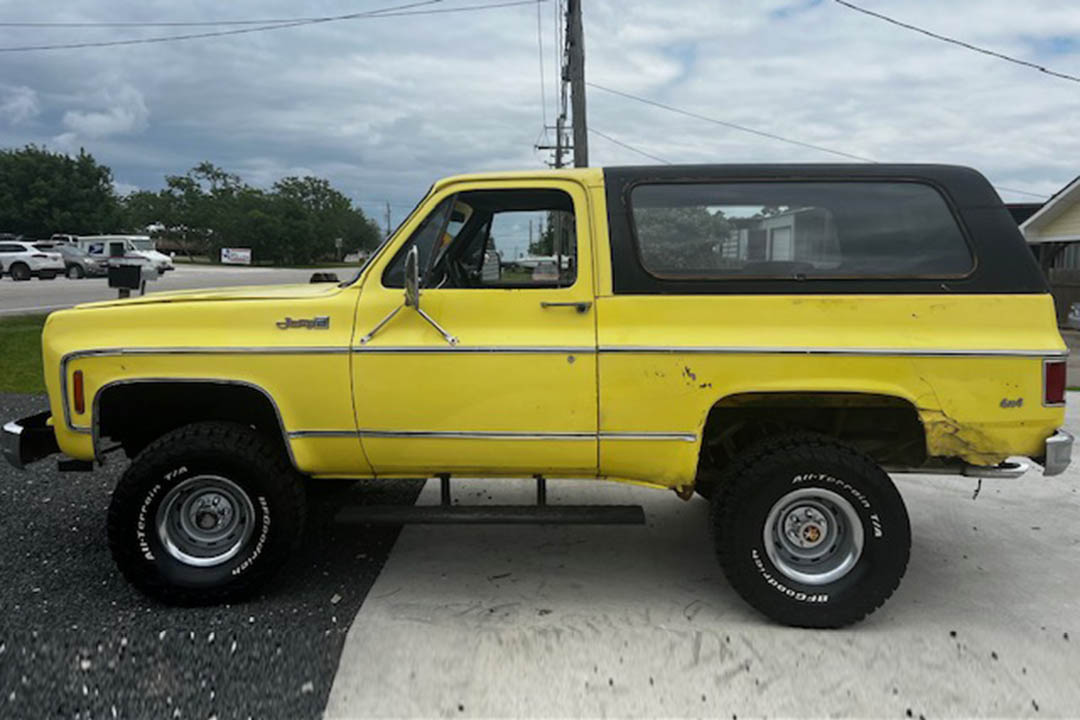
{"x": 28, "y": 440}
{"x": 1058, "y": 453}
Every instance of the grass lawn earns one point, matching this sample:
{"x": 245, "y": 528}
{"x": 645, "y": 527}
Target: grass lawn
{"x": 20, "y": 354}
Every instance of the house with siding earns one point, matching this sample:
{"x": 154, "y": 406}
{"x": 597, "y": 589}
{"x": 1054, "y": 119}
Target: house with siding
{"x": 1053, "y": 233}
{"x": 1055, "y": 229}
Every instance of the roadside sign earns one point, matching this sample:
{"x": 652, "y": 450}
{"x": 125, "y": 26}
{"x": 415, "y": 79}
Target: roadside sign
{"x": 235, "y": 256}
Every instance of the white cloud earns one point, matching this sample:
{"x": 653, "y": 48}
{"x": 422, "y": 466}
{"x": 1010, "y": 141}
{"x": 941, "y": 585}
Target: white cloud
{"x": 18, "y": 104}
{"x": 123, "y": 110}
{"x": 383, "y": 107}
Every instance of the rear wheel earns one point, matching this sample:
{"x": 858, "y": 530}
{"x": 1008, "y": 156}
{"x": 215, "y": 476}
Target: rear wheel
{"x": 75, "y": 272}
{"x": 19, "y": 272}
{"x": 205, "y": 514}
{"x": 809, "y": 531}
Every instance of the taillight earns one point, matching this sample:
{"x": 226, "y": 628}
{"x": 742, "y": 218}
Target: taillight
{"x": 1054, "y": 382}
{"x": 77, "y": 391}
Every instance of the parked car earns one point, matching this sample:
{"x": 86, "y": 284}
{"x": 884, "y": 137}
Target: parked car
{"x": 776, "y": 337}
{"x": 23, "y": 261}
{"x": 77, "y": 263}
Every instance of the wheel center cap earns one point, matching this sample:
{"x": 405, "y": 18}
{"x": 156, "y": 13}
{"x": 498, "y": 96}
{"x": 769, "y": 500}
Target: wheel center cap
{"x": 207, "y": 520}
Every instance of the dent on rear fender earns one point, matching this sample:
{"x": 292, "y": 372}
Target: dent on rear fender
{"x": 945, "y": 437}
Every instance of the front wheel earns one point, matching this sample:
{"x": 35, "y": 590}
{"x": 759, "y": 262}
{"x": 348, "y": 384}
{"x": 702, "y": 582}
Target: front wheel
{"x": 20, "y": 272}
{"x": 809, "y": 531}
{"x": 205, "y": 514}
{"x": 75, "y": 272}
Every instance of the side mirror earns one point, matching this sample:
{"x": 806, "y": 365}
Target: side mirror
{"x": 412, "y": 299}
{"x": 412, "y": 278}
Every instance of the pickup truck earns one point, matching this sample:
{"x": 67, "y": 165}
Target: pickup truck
{"x": 777, "y": 338}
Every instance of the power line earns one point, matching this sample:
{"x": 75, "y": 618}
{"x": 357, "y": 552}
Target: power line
{"x": 393, "y": 11}
{"x": 743, "y": 128}
{"x": 629, "y": 147}
{"x": 733, "y": 126}
{"x": 959, "y": 43}
{"x": 166, "y": 23}
{"x": 1021, "y": 192}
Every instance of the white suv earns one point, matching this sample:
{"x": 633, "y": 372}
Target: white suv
{"x": 22, "y": 261}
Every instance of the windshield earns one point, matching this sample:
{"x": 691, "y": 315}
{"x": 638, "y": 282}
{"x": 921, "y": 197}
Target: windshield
{"x": 142, "y": 243}
{"x": 386, "y": 240}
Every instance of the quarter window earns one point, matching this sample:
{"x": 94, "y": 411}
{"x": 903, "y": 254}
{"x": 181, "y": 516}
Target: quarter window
{"x": 797, "y": 230}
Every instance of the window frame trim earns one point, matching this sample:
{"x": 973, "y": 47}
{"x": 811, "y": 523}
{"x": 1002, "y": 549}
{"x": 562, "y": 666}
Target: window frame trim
{"x": 635, "y": 242}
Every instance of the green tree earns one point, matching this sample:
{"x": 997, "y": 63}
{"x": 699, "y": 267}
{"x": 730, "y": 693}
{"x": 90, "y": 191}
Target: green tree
{"x": 681, "y": 238}
{"x": 43, "y": 192}
{"x": 296, "y": 221}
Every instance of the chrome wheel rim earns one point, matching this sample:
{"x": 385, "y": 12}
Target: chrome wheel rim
{"x": 205, "y": 520}
{"x": 813, "y": 536}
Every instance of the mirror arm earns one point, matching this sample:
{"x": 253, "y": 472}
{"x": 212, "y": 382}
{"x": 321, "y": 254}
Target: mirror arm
{"x": 382, "y": 323}
{"x": 450, "y": 339}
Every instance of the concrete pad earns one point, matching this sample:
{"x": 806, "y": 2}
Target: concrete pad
{"x": 639, "y": 621}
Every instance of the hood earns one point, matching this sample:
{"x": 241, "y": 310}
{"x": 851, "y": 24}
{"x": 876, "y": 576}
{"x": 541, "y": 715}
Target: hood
{"x": 247, "y": 292}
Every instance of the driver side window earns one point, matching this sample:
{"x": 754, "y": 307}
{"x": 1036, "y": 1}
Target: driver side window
{"x": 494, "y": 239}
{"x": 511, "y": 239}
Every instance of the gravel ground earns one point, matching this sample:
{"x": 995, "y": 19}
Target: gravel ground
{"x": 76, "y": 641}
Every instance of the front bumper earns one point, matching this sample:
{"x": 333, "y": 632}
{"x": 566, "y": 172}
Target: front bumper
{"x": 28, "y": 440}
{"x": 1058, "y": 453}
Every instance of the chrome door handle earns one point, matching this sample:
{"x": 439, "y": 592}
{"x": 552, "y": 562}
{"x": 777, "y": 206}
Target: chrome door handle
{"x": 581, "y": 307}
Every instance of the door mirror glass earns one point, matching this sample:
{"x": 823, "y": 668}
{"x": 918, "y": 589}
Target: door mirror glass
{"x": 412, "y": 278}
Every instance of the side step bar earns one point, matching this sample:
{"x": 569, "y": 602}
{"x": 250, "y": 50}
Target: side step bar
{"x": 447, "y": 513}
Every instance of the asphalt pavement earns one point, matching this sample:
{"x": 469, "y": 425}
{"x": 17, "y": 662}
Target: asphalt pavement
{"x": 41, "y": 296}
{"x": 76, "y": 641}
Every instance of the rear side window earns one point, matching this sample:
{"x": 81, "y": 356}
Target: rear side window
{"x": 797, "y": 230}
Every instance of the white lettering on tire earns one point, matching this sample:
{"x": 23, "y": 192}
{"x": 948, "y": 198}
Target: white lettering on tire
{"x": 260, "y": 542}
{"x": 784, "y": 589}
{"x": 821, "y": 477}
{"x": 140, "y": 524}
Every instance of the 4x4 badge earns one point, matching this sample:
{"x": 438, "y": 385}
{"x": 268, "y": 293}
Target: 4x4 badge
{"x": 316, "y": 323}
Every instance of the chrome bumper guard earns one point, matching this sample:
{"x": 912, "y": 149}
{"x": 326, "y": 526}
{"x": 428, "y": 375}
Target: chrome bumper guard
{"x": 28, "y": 440}
{"x": 1058, "y": 453}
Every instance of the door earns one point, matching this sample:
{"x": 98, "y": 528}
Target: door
{"x": 503, "y": 378}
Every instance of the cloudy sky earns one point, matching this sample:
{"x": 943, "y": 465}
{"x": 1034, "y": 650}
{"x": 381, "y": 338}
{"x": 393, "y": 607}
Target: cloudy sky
{"x": 382, "y": 106}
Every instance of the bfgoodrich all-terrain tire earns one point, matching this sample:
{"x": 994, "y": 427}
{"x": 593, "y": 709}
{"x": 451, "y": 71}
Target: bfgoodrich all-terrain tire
{"x": 809, "y": 531}
{"x": 205, "y": 514}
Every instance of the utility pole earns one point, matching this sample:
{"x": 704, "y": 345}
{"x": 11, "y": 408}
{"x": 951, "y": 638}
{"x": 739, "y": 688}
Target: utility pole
{"x": 387, "y": 218}
{"x": 575, "y": 44}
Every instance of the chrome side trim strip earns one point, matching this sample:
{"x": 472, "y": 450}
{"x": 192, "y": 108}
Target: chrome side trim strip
{"x": 479, "y": 349}
{"x": 492, "y": 435}
{"x": 682, "y": 437}
{"x": 301, "y": 434}
{"x": 774, "y": 350}
{"x": 477, "y": 435}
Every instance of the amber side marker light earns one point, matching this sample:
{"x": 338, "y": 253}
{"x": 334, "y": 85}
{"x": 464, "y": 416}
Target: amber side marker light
{"x": 1054, "y": 382}
{"x": 77, "y": 390}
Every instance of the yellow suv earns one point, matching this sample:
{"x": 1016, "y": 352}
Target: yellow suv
{"x": 776, "y": 337}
